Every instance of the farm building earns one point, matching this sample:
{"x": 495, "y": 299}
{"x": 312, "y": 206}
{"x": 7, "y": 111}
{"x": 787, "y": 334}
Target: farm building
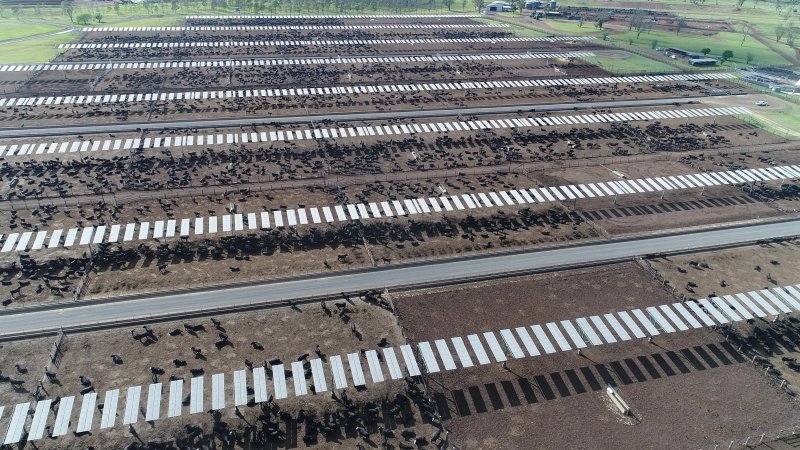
{"x": 703, "y": 62}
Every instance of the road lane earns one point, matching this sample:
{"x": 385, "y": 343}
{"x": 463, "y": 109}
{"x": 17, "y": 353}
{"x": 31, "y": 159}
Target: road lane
{"x": 417, "y": 274}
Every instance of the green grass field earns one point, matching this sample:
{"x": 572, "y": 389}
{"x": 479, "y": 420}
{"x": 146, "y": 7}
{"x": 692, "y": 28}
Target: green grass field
{"x": 516, "y": 28}
{"x": 153, "y": 14}
{"x": 156, "y": 21}
{"x": 630, "y": 63}
{"x": 34, "y": 50}
{"x": 782, "y": 122}
{"x": 10, "y": 31}
{"x": 624, "y": 63}
{"x": 761, "y": 15}
{"x": 142, "y": 13}
{"x": 569, "y": 27}
{"x": 718, "y": 43}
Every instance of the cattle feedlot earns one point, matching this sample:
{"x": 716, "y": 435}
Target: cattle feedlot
{"x": 455, "y": 226}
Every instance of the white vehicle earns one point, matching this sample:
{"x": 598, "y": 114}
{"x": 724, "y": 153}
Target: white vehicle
{"x": 762, "y": 103}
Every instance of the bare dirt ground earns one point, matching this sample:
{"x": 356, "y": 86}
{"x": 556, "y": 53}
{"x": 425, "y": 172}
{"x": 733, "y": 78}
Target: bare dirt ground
{"x": 279, "y": 106}
{"x": 281, "y": 254}
{"x": 99, "y": 172}
{"x": 290, "y": 76}
{"x": 771, "y": 344}
{"x": 755, "y": 158}
{"x": 650, "y": 211}
{"x": 140, "y": 273}
{"x": 285, "y": 21}
{"x": 524, "y": 301}
{"x": 317, "y": 50}
{"x": 284, "y": 254}
{"x": 311, "y": 34}
{"x": 539, "y": 402}
{"x": 285, "y": 334}
{"x": 730, "y": 271}
{"x": 782, "y": 196}
{"x": 677, "y": 209}
{"x": 169, "y": 263}
{"x": 387, "y": 242}
{"x": 12, "y": 83}
{"x": 686, "y": 403}
{"x": 324, "y": 75}
{"x": 138, "y": 208}
{"x": 745, "y": 269}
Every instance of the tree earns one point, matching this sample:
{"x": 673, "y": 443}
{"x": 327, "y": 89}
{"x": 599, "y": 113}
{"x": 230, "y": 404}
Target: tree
{"x": 635, "y": 18}
{"x": 780, "y": 30}
{"x": 600, "y": 19}
{"x": 68, "y": 7}
{"x": 727, "y": 54}
{"x": 706, "y": 51}
{"x": 639, "y": 22}
{"x": 98, "y": 16}
{"x": 749, "y": 57}
{"x": 680, "y": 24}
{"x": 84, "y": 19}
{"x": 654, "y": 44}
{"x": 745, "y": 31}
{"x": 478, "y": 4}
{"x": 16, "y": 10}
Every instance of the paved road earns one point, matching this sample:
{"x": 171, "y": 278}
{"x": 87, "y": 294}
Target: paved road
{"x": 390, "y": 277}
{"x": 246, "y": 122}
{"x": 36, "y": 36}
